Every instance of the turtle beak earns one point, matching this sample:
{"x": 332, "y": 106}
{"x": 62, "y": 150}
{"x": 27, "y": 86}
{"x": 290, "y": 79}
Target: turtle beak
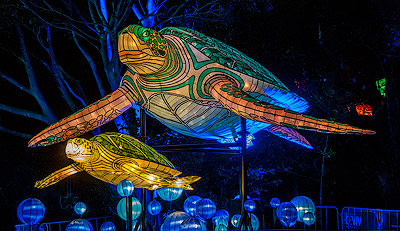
{"x": 131, "y": 49}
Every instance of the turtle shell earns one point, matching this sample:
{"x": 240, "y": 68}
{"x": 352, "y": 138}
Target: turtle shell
{"x": 224, "y": 54}
{"x": 125, "y": 145}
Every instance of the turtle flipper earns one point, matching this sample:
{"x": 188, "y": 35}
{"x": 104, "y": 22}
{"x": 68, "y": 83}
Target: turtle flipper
{"x": 239, "y": 102}
{"x": 58, "y": 175}
{"x": 159, "y": 181}
{"x": 289, "y": 134}
{"x": 84, "y": 120}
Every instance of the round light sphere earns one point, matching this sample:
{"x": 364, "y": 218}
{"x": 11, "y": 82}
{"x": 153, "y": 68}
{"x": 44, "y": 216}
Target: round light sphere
{"x": 255, "y": 223}
{"x": 30, "y": 211}
{"x": 222, "y": 221}
{"x": 221, "y": 227}
{"x": 206, "y": 208}
{"x": 249, "y": 205}
{"x": 235, "y": 220}
{"x": 220, "y": 213}
{"x": 275, "y": 202}
{"x": 154, "y": 207}
{"x": 190, "y": 205}
{"x": 192, "y": 224}
{"x": 79, "y": 225}
{"x": 174, "y": 220}
{"x": 309, "y": 218}
{"x": 287, "y": 214}
{"x": 303, "y": 205}
{"x": 125, "y": 188}
{"x": 122, "y": 207}
{"x": 80, "y": 208}
{"x": 107, "y": 226}
{"x": 169, "y": 193}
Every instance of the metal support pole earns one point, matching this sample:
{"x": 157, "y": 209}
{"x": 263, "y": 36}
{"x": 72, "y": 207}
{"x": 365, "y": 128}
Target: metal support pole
{"x": 143, "y": 219}
{"x": 129, "y": 214}
{"x": 244, "y": 222}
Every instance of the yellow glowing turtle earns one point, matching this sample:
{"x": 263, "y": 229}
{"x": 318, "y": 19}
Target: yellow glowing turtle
{"x": 113, "y": 157}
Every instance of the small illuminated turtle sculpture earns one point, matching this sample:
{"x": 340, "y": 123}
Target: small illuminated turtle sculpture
{"x": 197, "y": 86}
{"x": 113, "y": 157}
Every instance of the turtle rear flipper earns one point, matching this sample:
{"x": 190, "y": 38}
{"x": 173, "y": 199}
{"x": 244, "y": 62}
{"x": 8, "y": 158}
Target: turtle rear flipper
{"x": 244, "y": 105}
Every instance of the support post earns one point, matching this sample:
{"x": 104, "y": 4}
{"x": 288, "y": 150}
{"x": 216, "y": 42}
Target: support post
{"x": 143, "y": 218}
{"x": 244, "y": 221}
{"x": 129, "y": 214}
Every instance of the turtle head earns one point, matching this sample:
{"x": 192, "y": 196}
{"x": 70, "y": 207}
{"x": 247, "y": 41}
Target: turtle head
{"x": 79, "y": 150}
{"x": 142, "y": 49}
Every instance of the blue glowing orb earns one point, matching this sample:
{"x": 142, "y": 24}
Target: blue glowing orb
{"x": 80, "y": 208}
{"x": 221, "y": 213}
{"x": 235, "y": 220}
{"x": 275, "y": 202}
{"x": 249, "y": 205}
{"x": 107, "y": 226}
{"x": 190, "y": 205}
{"x": 169, "y": 193}
{"x": 192, "y": 224}
{"x": 174, "y": 220}
{"x": 122, "y": 207}
{"x": 206, "y": 208}
{"x": 154, "y": 207}
{"x": 79, "y": 225}
{"x": 303, "y": 205}
{"x": 125, "y": 188}
{"x": 287, "y": 214}
{"x": 309, "y": 218}
{"x": 30, "y": 211}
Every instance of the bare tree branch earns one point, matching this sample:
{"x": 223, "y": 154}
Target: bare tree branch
{"x": 16, "y": 133}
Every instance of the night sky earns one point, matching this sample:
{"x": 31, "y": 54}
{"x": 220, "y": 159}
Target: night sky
{"x": 328, "y": 52}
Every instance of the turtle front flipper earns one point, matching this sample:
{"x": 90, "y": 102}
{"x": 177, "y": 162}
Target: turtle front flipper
{"x": 233, "y": 98}
{"x": 58, "y": 175}
{"x": 84, "y": 120}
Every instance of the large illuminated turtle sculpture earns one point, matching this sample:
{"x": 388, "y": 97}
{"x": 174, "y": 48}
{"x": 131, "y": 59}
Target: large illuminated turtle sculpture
{"x": 113, "y": 157}
{"x": 197, "y": 86}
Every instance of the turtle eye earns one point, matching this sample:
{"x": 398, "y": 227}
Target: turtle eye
{"x": 145, "y": 34}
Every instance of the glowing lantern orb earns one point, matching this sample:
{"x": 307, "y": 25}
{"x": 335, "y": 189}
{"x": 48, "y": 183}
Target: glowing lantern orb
{"x": 303, "y": 205}
{"x": 80, "y": 208}
{"x": 79, "y": 225}
{"x": 222, "y": 221}
{"x": 309, "y": 218}
{"x": 190, "y": 205}
{"x": 221, "y": 213}
{"x": 255, "y": 223}
{"x": 364, "y": 109}
{"x": 174, "y": 221}
{"x": 221, "y": 227}
{"x": 206, "y": 208}
{"x": 235, "y": 220}
{"x": 154, "y": 207}
{"x": 125, "y": 188}
{"x": 249, "y": 205}
{"x": 122, "y": 207}
{"x": 275, "y": 202}
{"x": 107, "y": 226}
{"x": 30, "y": 211}
{"x": 192, "y": 224}
{"x": 287, "y": 214}
{"x": 169, "y": 193}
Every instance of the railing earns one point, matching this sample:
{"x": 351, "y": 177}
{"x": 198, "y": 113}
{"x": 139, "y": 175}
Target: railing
{"x": 369, "y": 219}
{"x": 322, "y": 222}
{"x": 61, "y": 225}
